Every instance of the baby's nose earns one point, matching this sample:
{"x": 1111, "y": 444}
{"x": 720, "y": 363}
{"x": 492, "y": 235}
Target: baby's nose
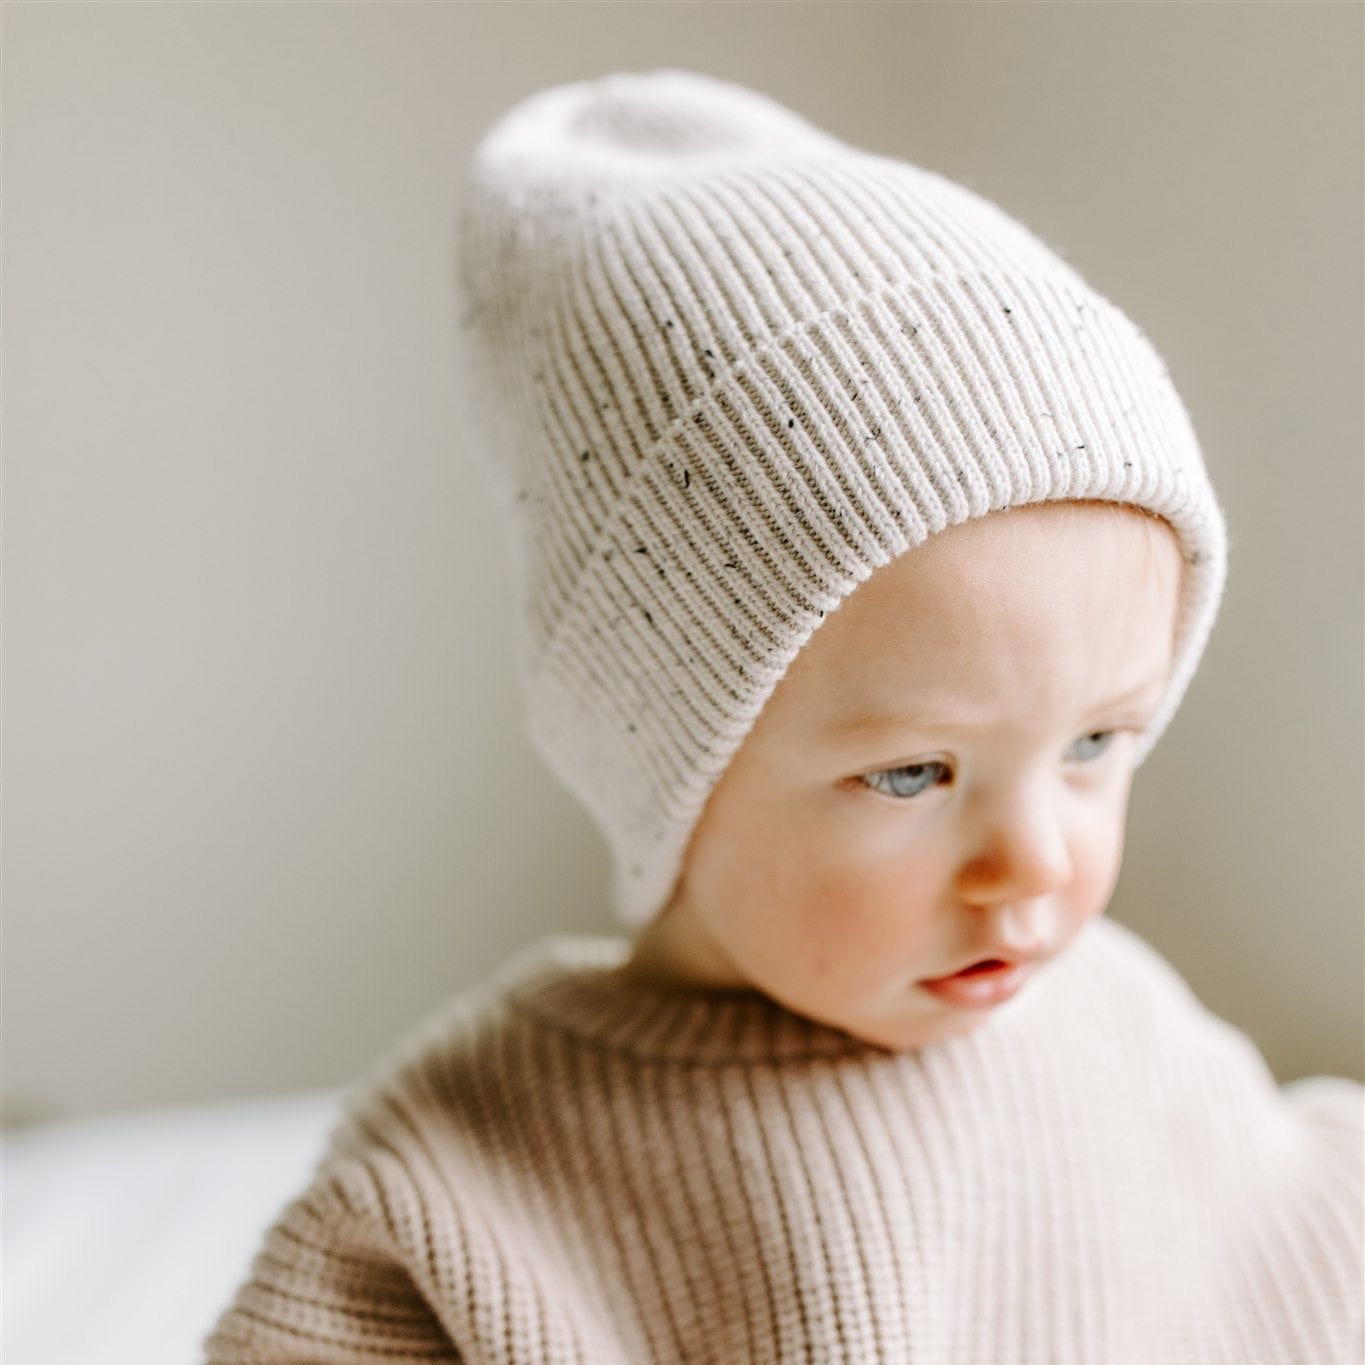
{"x": 1024, "y": 858}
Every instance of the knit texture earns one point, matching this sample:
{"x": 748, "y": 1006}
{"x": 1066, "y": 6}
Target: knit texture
{"x": 721, "y": 367}
{"x": 562, "y": 1166}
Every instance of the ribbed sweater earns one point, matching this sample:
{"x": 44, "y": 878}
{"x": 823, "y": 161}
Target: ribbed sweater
{"x": 566, "y": 1166}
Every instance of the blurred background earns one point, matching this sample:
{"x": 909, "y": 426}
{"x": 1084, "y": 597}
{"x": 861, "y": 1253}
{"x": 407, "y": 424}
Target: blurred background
{"x": 267, "y": 796}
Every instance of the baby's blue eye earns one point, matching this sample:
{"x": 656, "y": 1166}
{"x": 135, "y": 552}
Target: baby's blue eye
{"x": 913, "y": 773}
{"x": 913, "y": 779}
{"x": 1105, "y": 735}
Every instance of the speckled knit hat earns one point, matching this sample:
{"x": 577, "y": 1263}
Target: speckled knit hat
{"x": 722, "y": 366}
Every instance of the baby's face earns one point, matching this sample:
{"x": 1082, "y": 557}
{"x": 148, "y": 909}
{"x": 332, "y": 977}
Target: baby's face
{"x": 941, "y": 777}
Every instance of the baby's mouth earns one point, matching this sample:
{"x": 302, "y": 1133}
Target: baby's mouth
{"x": 984, "y": 967}
{"x": 990, "y": 964}
{"x": 988, "y": 982}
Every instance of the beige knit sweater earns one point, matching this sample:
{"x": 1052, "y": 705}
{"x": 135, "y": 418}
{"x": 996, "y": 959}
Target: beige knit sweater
{"x": 562, "y": 1166}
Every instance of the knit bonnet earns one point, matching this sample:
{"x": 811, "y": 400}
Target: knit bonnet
{"x": 720, "y": 367}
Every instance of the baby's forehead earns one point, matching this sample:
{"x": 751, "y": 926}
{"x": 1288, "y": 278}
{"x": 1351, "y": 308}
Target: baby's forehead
{"x": 998, "y": 577}
{"x": 970, "y": 623}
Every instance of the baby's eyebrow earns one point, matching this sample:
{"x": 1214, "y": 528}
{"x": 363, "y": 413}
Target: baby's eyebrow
{"x": 873, "y": 724}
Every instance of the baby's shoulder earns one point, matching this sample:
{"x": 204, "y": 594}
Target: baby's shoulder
{"x": 1173, "y": 1042}
{"x": 447, "y": 1075}
{"x": 1114, "y": 958}
{"x": 1126, "y": 958}
{"x": 1126, "y": 992}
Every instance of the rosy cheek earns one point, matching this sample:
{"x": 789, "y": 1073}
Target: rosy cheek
{"x": 847, "y": 926}
{"x": 1097, "y": 869}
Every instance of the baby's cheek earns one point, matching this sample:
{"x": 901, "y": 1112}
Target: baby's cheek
{"x": 1098, "y": 862}
{"x": 854, "y": 928}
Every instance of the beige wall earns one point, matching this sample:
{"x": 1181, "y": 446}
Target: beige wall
{"x": 267, "y": 801}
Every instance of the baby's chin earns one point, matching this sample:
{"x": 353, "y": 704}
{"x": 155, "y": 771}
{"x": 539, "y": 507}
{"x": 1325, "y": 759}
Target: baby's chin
{"x": 910, "y": 1032}
{"x": 910, "y": 1037}
{"x": 911, "y": 1028}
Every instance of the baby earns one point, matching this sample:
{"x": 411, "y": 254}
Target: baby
{"x": 862, "y": 553}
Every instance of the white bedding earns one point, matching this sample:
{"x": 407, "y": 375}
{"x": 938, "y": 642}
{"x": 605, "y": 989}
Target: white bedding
{"x": 126, "y": 1234}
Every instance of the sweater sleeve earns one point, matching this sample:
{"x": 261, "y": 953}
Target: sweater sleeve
{"x": 327, "y": 1288}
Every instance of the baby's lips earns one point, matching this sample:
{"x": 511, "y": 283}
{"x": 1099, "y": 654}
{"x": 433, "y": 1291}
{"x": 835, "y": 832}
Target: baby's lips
{"x": 980, "y": 990}
{"x": 979, "y": 966}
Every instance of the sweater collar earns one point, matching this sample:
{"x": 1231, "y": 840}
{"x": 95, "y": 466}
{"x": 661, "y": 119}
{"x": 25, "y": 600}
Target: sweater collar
{"x": 571, "y": 982}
